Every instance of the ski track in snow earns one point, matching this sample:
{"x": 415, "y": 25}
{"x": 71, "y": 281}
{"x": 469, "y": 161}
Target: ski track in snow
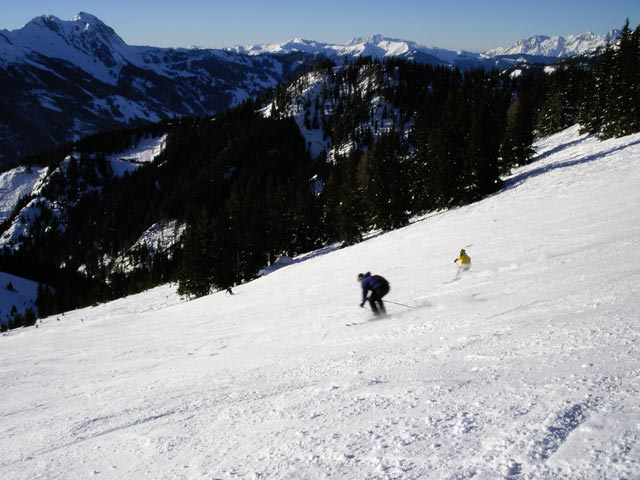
{"x": 527, "y": 367}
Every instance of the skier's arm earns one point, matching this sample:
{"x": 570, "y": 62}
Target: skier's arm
{"x": 365, "y": 290}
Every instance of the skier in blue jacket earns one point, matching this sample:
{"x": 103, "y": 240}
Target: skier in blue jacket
{"x": 378, "y": 286}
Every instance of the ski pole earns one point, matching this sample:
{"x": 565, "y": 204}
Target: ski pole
{"x": 396, "y": 303}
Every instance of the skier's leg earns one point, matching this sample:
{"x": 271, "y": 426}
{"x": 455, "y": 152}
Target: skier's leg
{"x": 372, "y": 302}
{"x": 381, "y": 294}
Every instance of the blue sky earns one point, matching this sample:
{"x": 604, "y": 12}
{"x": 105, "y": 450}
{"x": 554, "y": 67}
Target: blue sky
{"x": 463, "y": 24}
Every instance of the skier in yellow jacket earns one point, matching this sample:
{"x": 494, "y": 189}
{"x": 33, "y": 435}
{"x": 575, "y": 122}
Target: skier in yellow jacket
{"x": 463, "y": 261}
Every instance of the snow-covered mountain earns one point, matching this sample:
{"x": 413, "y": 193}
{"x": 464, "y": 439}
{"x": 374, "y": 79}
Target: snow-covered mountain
{"x": 376, "y": 46}
{"x": 525, "y": 367}
{"x": 85, "y": 42}
{"x": 556, "y": 46}
{"x": 22, "y": 199}
{"x": 379, "y": 46}
{"x": 62, "y": 80}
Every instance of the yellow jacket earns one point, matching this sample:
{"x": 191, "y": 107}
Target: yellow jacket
{"x": 464, "y": 259}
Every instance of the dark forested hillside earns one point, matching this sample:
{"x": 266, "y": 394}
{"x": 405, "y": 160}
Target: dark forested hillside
{"x": 341, "y": 150}
{"x": 602, "y": 94}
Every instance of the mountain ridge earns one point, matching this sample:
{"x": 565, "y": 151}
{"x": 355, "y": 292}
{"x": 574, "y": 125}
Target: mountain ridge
{"x": 63, "y": 80}
{"x": 89, "y": 34}
{"x": 557, "y": 46}
{"x": 535, "y": 45}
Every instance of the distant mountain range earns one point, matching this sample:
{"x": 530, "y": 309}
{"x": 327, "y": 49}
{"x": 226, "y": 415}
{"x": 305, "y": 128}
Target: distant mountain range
{"x": 378, "y": 46}
{"x": 62, "y": 80}
{"x": 561, "y": 47}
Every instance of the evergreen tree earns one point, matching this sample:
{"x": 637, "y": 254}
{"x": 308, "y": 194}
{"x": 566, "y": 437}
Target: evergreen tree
{"x": 482, "y": 146}
{"x": 345, "y": 201}
{"x": 386, "y": 183}
{"x": 594, "y": 108}
{"x": 224, "y": 253}
{"x": 611, "y": 107}
{"x": 195, "y": 276}
{"x": 443, "y": 154}
{"x": 622, "y": 117}
{"x": 516, "y": 148}
{"x": 45, "y": 301}
{"x": 565, "y": 91}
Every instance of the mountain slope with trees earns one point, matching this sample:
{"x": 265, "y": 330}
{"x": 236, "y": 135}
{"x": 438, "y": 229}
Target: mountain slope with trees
{"x": 339, "y": 151}
{"x": 63, "y": 80}
{"x": 525, "y": 367}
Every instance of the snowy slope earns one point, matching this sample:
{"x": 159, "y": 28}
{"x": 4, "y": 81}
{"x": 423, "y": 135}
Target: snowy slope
{"x": 16, "y": 295}
{"x": 16, "y": 184}
{"x": 527, "y": 367}
{"x": 24, "y": 181}
{"x": 146, "y": 151}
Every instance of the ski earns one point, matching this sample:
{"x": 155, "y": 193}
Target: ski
{"x": 377, "y": 317}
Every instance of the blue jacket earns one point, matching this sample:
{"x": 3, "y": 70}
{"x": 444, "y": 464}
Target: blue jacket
{"x": 371, "y": 282}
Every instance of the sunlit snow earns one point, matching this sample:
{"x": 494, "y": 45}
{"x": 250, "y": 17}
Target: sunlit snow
{"x": 526, "y": 367}
{"x": 16, "y": 184}
{"x": 146, "y": 151}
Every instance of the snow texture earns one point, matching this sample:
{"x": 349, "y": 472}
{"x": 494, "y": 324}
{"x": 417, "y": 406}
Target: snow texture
{"x": 24, "y": 182}
{"x": 307, "y": 92}
{"x": 145, "y": 152}
{"x": 16, "y": 293}
{"x": 161, "y": 237}
{"x": 16, "y": 184}
{"x": 525, "y": 367}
